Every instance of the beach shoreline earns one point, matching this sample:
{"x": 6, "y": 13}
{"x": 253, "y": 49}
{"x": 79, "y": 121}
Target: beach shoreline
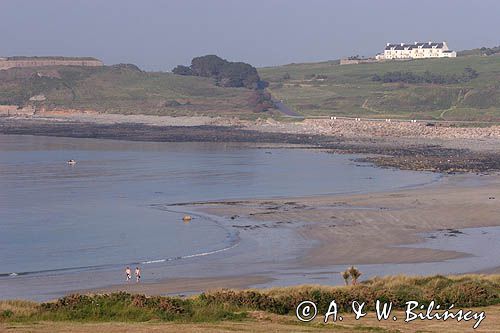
{"x": 406, "y": 146}
{"x": 401, "y": 216}
{"x": 325, "y": 232}
{"x": 378, "y": 232}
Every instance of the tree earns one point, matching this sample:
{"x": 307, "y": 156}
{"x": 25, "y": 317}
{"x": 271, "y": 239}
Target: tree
{"x": 182, "y": 70}
{"x": 225, "y": 73}
{"x": 355, "y": 274}
{"x": 238, "y": 74}
{"x": 207, "y": 66}
{"x": 346, "y": 275}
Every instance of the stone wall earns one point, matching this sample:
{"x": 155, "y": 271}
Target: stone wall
{"x": 357, "y": 61}
{"x": 14, "y": 110}
{"x": 6, "y": 63}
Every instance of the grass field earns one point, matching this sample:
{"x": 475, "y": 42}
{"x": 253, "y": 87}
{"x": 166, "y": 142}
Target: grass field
{"x": 348, "y": 90}
{"x": 123, "y": 89}
{"x": 312, "y": 89}
{"x": 258, "y": 321}
{"x": 262, "y": 310}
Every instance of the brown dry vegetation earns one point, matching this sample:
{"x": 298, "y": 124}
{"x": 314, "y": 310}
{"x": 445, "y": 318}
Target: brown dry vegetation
{"x": 259, "y": 310}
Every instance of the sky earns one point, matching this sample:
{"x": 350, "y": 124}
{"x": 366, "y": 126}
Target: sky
{"x": 157, "y": 35}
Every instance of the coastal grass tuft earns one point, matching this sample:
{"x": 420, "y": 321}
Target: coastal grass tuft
{"x": 220, "y": 305}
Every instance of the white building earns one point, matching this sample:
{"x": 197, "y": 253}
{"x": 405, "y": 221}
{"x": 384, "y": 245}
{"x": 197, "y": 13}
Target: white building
{"x": 418, "y": 50}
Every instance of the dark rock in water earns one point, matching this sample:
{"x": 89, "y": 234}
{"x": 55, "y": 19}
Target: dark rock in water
{"x": 454, "y": 231}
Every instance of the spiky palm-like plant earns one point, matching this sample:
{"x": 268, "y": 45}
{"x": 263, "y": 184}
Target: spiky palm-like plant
{"x": 346, "y": 275}
{"x": 354, "y": 273}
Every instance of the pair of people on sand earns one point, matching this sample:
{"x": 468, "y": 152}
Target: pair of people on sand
{"x": 128, "y": 274}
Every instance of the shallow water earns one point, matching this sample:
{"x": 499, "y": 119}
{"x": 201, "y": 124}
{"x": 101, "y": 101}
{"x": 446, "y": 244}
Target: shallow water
{"x": 480, "y": 247}
{"x": 102, "y": 213}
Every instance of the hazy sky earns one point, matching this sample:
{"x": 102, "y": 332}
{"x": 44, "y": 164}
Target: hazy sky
{"x": 157, "y": 35}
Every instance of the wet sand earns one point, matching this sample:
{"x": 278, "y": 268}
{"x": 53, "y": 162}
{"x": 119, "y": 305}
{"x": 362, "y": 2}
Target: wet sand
{"x": 375, "y": 231}
{"x": 185, "y": 285}
{"x": 369, "y": 228}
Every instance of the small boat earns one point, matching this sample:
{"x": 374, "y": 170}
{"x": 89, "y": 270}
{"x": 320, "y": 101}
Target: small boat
{"x": 186, "y": 218}
{"x": 71, "y": 162}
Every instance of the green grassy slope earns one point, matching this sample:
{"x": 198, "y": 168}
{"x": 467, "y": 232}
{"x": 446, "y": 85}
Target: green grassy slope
{"x": 349, "y": 90}
{"x": 122, "y": 90}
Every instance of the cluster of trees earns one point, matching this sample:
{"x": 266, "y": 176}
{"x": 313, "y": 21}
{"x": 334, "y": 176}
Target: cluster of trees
{"x": 490, "y": 50}
{"x": 427, "y": 77}
{"x": 483, "y": 51}
{"x": 225, "y": 73}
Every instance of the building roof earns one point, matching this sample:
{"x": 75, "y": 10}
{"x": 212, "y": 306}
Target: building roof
{"x": 399, "y": 47}
{"x": 424, "y": 45}
{"x": 431, "y": 45}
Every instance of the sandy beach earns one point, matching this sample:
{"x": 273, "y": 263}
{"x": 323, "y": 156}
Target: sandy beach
{"x": 364, "y": 229}
{"x": 360, "y": 229}
{"x": 185, "y": 285}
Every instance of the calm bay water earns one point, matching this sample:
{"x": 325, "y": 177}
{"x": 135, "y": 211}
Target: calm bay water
{"x": 101, "y": 212}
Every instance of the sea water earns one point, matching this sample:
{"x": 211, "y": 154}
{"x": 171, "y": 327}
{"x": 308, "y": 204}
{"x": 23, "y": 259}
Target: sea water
{"x": 102, "y": 213}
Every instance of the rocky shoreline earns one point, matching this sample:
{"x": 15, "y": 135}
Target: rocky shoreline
{"x": 418, "y": 154}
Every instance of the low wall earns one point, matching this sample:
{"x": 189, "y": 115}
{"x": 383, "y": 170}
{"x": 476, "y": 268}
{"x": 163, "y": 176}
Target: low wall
{"x": 6, "y": 64}
{"x": 13, "y": 110}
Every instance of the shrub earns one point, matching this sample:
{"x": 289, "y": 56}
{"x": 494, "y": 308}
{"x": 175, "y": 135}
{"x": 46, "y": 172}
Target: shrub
{"x": 427, "y": 77}
{"x": 6, "y": 314}
{"x": 463, "y": 291}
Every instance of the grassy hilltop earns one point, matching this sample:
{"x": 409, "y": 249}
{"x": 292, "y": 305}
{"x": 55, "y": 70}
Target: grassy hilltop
{"x": 327, "y": 88}
{"x": 463, "y": 88}
{"x": 123, "y": 89}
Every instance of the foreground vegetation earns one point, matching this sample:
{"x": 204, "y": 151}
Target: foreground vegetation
{"x": 462, "y": 291}
{"x": 463, "y": 88}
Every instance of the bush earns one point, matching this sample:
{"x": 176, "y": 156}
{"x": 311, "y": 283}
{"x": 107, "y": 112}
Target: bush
{"x": 261, "y": 101}
{"x": 426, "y": 77}
{"x": 463, "y": 291}
{"x": 6, "y": 314}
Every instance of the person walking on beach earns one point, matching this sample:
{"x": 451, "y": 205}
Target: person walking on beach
{"x": 128, "y": 273}
{"x": 137, "y": 274}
